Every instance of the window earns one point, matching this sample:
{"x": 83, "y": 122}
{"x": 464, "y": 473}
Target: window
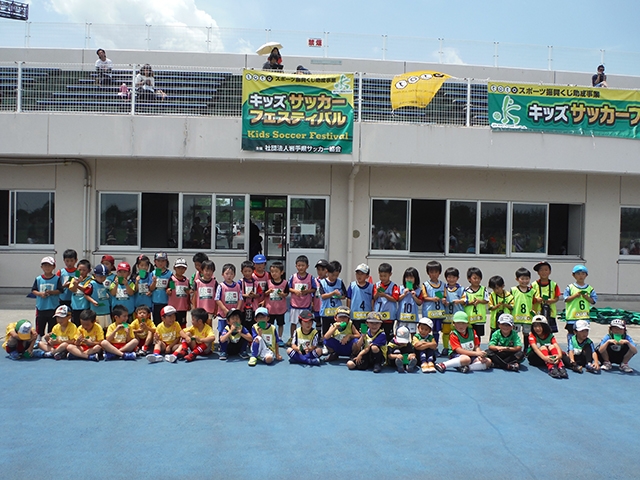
{"x": 230, "y": 215}
{"x": 307, "y": 218}
{"x": 389, "y": 224}
{"x": 196, "y": 221}
{"x": 172, "y": 220}
{"x": 630, "y": 231}
{"x": 478, "y": 227}
{"x": 119, "y": 218}
{"x": 529, "y": 227}
{"x": 26, "y": 218}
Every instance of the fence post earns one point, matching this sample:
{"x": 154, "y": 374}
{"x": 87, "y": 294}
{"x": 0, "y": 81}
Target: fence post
{"x": 468, "y": 121}
{"x": 602, "y": 56}
{"x": 384, "y": 47}
{"x": 440, "y": 52}
{"x": 148, "y": 39}
{"x": 359, "y": 97}
{"x": 326, "y": 44}
{"x": 19, "y": 89}
{"x": 549, "y": 57}
{"x": 27, "y": 34}
{"x": 267, "y": 30}
{"x": 495, "y": 54}
{"x": 133, "y": 89}
{"x": 87, "y": 35}
{"x": 209, "y": 39}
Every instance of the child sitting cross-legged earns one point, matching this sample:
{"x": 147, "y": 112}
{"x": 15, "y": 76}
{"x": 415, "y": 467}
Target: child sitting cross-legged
{"x": 304, "y": 343}
{"x": 465, "y": 353}
{"x": 198, "y": 338}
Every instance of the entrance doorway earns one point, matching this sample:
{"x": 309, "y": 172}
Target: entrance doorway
{"x": 268, "y": 216}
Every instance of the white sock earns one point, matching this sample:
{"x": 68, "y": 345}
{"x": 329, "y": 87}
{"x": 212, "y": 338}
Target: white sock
{"x": 478, "y": 366}
{"x": 453, "y": 363}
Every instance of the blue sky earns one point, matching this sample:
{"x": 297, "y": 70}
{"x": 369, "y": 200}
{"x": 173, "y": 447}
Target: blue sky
{"x": 585, "y": 24}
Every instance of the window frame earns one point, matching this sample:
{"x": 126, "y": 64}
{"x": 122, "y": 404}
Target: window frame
{"x": 12, "y": 218}
{"x": 626, "y": 258}
{"x": 382, "y": 252}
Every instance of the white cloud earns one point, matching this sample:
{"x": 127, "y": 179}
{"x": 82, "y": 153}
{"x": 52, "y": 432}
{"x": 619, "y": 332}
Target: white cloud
{"x": 449, "y": 55}
{"x": 175, "y": 24}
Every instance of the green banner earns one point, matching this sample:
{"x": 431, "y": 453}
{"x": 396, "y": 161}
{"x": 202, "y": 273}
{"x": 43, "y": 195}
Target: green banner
{"x": 564, "y": 109}
{"x": 297, "y": 113}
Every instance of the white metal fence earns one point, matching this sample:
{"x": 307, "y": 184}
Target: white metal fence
{"x": 325, "y": 44}
{"x": 175, "y": 90}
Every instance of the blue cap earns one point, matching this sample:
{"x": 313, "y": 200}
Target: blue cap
{"x": 262, "y": 311}
{"x": 580, "y": 268}
{"x": 100, "y": 270}
{"x": 259, "y": 259}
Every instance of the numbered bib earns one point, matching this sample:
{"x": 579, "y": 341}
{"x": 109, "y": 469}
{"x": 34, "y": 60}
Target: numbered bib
{"x": 268, "y": 339}
{"x": 248, "y": 289}
{"x": 275, "y": 296}
{"x": 103, "y": 294}
{"x": 581, "y": 315}
{"x": 181, "y": 291}
{"x": 206, "y": 293}
{"x": 522, "y": 319}
{"x": 122, "y": 294}
{"x": 407, "y": 317}
{"x": 143, "y": 288}
{"x": 46, "y": 287}
{"x": 162, "y": 283}
{"x": 299, "y": 286}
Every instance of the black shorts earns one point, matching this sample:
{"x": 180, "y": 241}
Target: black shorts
{"x": 277, "y": 319}
{"x": 181, "y": 318}
{"x": 569, "y": 328}
{"x": 615, "y": 356}
{"x": 479, "y": 329}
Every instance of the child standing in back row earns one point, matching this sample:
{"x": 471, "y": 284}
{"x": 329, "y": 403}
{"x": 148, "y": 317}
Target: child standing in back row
{"x": 275, "y": 297}
{"x": 302, "y": 287}
{"x": 70, "y": 258}
{"x": 179, "y": 291}
{"x": 500, "y": 301}
{"x": 578, "y": 298}
{"x": 46, "y": 288}
{"x": 360, "y": 296}
{"x": 159, "y": 284}
{"x": 523, "y": 304}
{"x": 454, "y": 302}
{"x": 547, "y": 294}
{"x": 385, "y": 298}
{"x": 205, "y": 289}
{"x": 409, "y": 301}
{"x": 432, "y": 296}
{"x": 476, "y": 300}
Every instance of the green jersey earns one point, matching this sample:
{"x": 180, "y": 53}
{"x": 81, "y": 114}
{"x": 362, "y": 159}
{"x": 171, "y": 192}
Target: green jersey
{"x": 499, "y": 340}
{"x": 522, "y": 305}
{"x": 546, "y": 292}
{"x": 477, "y": 313}
{"x": 506, "y": 299}
{"x": 579, "y": 307}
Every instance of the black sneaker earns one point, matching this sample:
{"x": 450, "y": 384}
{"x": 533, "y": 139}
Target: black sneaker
{"x": 554, "y": 373}
{"x": 333, "y": 356}
{"x": 563, "y": 372}
{"x": 440, "y": 367}
{"x": 576, "y": 368}
{"x": 514, "y": 367}
{"x": 399, "y": 365}
{"x": 377, "y": 368}
{"x": 465, "y": 369}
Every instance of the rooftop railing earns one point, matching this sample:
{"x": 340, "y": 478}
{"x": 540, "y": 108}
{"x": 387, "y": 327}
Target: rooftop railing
{"x": 316, "y": 44}
{"x": 79, "y": 88}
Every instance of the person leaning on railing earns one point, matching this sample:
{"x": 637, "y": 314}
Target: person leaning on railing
{"x": 272, "y": 63}
{"x": 145, "y": 85}
{"x": 103, "y": 68}
{"x": 599, "y": 79}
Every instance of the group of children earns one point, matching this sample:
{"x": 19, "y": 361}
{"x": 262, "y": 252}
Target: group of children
{"x": 119, "y": 311}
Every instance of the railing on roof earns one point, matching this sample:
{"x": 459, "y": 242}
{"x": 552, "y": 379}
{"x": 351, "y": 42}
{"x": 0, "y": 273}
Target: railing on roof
{"x": 30, "y": 87}
{"x": 333, "y": 44}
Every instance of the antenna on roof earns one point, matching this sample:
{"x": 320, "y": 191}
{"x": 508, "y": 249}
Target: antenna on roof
{"x": 14, "y": 10}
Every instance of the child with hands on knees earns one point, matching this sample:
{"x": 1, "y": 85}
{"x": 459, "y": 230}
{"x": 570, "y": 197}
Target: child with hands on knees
{"x": 342, "y": 337}
{"x": 119, "y": 341}
{"x": 425, "y": 345}
{"x": 304, "y": 344}
{"x": 400, "y": 351}
{"x": 464, "y": 346}
{"x": 265, "y": 339}
{"x": 196, "y": 340}
{"x": 617, "y": 347}
{"x": 544, "y": 349}
{"x": 54, "y": 344}
{"x": 234, "y": 337}
{"x": 167, "y": 337}
{"x": 371, "y": 347}
{"x": 88, "y": 339}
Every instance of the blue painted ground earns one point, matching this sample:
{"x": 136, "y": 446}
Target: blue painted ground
{"x": 211, "y": 419}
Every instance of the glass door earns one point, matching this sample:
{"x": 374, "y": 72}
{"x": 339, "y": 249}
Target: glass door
{"x": 307, "y": 231}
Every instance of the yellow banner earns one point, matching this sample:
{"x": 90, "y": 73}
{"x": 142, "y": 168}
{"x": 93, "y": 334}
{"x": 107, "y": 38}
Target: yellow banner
{"x": 560, "y": 91}
{"x": 416, "y": 89}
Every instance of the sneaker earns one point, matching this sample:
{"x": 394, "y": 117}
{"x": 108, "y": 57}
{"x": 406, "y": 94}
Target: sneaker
{"x": 553, "y": 372}
{"x": 189, "y": 358}
{"x": 129, "y": 356}
{"x": 180, "y": 355}
{"x": 424, "y": 367}
{"x": 71, "y": 356}
{"x": 399, "y": 365}
{"x": 465, "y": 369}
{"x": 576, "y": 368}
{"x": 47, "y": 354}
{"x": 153, "y": 358}
{"x": 606, "y": 366}
{"x": 281, "y": 344}
{"x": 223, "y": 356}
{"x": 431, "y": 368}
{"x": 332, "y": 357}
{"x": 563, "y": 372}
{"x": 325, "y": 350}
{"x": 412, "y": 364}
{"x": 589, "y": 367}
{"x": 37, "y": 354}
{"x": 444, "y": 352}
{"x": 93, "y": 357}
{"x": 110, "y": 356}
{"x": 440, "y": 367}
{"x": 315, "y": 362}
{"x": 244, "y": 355}
{"x": 14, "y": 355}
{"x": 377, "y": 368}
{"x": 288, "y": 344}
{"x": 514, "y": 367}
{"x": 60, "y": 355}
{"x": 253, "y": 361}
{"x": 171, "y": 358}
{"x": 626, "y": 368}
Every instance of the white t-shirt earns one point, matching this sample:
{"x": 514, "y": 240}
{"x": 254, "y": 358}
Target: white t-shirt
{"x": 105, "y": 66}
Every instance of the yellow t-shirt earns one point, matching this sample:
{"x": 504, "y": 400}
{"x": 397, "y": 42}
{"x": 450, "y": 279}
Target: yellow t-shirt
{"x": 95, "y": 334}
{"x": 64, "y": 335}
{"x": 168, "y": 334}
{"x": 135, "y": 325}
{"x": 206, "y": 331}
{"x": 10, "y": 328}
{"x": 124, "y": 335}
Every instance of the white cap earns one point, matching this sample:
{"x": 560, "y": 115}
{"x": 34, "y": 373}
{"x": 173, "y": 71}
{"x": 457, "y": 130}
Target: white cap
{"x": 581, "y": 325}
{"x": 49, "y": 260}
{"x": 426, "y": 321}
{"x": 403, "y": 336}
